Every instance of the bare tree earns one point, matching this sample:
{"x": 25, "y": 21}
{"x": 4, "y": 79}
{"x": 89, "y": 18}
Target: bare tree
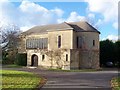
{"x": 92, "y": 22}
{"x": 56, "y": 56}
{"x": 50, "y": 54}
{"x": 10, "y": 37}
{"x": 9, "y": 41}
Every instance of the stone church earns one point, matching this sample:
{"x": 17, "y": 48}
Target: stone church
{"x": 73, "y": 45}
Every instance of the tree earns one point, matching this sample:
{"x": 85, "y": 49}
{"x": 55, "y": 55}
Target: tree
{"x": 107, "y": 52}
{"x": 50, "y": 54}
{"x": 9, "y": 43}
{"x": 55, "y": 56}
{"x": 117, "y": 52}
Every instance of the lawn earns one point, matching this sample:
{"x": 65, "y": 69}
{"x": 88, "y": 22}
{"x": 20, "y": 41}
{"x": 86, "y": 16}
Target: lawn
{"x": 12, "y": 66}
{"x": 115, "y": 82}
{"x": 19, "y": 79}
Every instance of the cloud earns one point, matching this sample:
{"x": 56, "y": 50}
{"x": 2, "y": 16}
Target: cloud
{"x": 73, "y": 17}
{"x": 91, "y": 15}
{"x": 99, "y": 22}
{"x": 28, "y": 14}
{"x": 29, "y": 7}
{"x": 6, "y": 9}
{"x": 108, "y": 9}
{"x": 24, "y": 28}
{"x": 115, "y": 25}
{"x": 38, "y": 15}
{"x": 111, "y": 37}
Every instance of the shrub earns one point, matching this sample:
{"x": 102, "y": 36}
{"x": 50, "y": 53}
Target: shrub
{"x": 21, "y": 59}
{"x": 8, "y": 57}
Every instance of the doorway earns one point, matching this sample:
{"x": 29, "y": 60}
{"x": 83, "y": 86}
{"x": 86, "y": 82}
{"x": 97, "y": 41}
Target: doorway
{"x": 34, "y": 60}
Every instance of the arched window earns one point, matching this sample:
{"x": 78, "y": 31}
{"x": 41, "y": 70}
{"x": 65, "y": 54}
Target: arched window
{"x": 66, "y": 57}
{"x": 43, "y": 57}
{"x": 59, "y": 41}
{"x": 93, "y": 42}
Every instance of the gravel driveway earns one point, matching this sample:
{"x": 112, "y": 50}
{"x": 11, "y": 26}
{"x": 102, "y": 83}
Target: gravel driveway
{"x": 99, "y": 80}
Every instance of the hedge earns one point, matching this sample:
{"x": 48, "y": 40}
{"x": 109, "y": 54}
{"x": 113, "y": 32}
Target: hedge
{"x": 21, "y": 59}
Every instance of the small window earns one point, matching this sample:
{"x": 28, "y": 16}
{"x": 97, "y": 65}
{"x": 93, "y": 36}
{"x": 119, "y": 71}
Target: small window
{"x": 77, "y": 42}
{"x": 66, "y": 57}
{"x": 93, "y": 42}
{"x": 59, "y": 41}
{"x": 43, "y": 57}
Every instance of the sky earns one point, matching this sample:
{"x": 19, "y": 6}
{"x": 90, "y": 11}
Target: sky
{"x": 25, "y": 14}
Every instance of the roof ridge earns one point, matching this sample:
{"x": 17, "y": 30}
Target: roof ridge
{"x": 68, "y": 24}
{"x": 76, "y": 26}
{"x": 76, "y": 22}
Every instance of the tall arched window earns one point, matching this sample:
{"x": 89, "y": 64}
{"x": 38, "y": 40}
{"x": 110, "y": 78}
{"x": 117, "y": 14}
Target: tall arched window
{"x": 93, "y": 42}
{"x": 59, "y": 41}
{"x": 66, "y": 57}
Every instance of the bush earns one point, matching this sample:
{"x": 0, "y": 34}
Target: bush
{"x": 21, "y": 59}
{"x": 8, "y": 57}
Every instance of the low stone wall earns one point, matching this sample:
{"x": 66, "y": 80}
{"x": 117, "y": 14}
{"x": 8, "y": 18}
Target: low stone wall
{"x": 89, "y": 59}
{"x": 74, "y": 59}
{"x": 84, "y": 59}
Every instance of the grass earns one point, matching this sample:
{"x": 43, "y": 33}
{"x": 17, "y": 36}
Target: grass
{"x": 12, "y": 66}
{"x": 81, "y": 70}
{"x": 19, "y": 80}
{"x": 115, "y": 83}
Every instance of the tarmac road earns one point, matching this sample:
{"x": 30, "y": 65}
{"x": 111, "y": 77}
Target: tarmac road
{"x": 57, "y": 80}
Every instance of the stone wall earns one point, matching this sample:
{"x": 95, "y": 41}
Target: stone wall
{"x": 87, "y": 38}
{"x": 89, "y": 59}
{"x": 75, "y": 59}
{"x": 66, "y": 39}
{"x": 53, "y": 59}
{"x": 84, "y": 59}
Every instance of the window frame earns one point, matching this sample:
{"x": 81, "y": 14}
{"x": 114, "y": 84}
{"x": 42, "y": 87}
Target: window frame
{"x": 35, "y": 43}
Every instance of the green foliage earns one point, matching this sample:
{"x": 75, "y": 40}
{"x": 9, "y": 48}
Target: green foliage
{"x": 10, "y": 45}
{"x": 115, "y": 82}
{"x": 21, "y": 59}
{"x": 8, "y": 57}
{"x": 19, "y": 80}
{"x": 117, "y": 52}
{"x": 12, "y": 66}
{"x": 109, "y": 52}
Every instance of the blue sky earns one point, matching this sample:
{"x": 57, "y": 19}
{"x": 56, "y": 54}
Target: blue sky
{"x": 26, "y": 14}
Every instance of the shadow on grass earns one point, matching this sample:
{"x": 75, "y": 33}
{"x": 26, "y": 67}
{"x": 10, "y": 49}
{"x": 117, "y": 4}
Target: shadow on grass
{"x": 19, "y": 75}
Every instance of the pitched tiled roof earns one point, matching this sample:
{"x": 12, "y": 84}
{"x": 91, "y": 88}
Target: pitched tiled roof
{"x": 83, "y": 26}
{"x": 76, "y": 26}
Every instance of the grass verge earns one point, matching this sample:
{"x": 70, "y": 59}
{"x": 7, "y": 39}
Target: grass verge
{"x": 19, "y": 80}
{"x": 81, "y": 70}
{"x": 115, "y": 83}
{"x": 12, "y": 66}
